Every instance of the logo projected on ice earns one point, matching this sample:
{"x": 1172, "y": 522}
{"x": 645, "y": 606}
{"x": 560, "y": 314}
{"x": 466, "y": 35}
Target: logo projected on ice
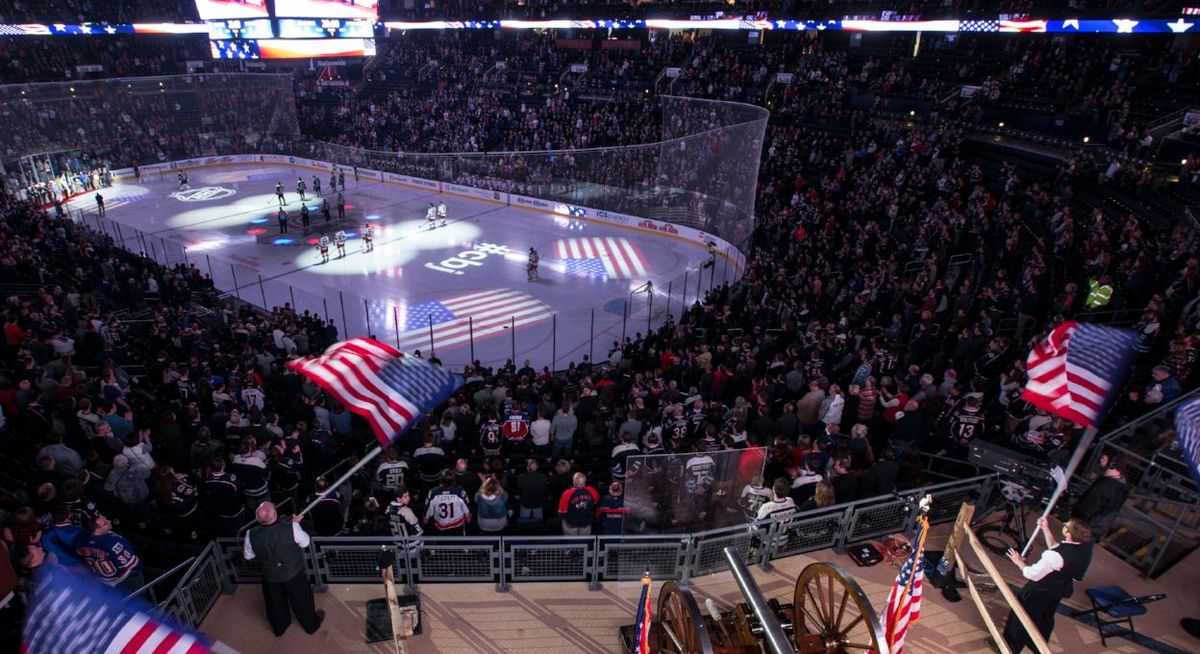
{"x": 203, "y": 194}
{"x": 474, "y": 257}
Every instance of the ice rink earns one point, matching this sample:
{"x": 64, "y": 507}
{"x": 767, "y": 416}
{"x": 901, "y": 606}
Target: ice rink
{"x": 459, "y": 290}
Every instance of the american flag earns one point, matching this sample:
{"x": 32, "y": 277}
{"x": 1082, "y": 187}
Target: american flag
{"x": 979, "y": 26}
{"x": 379, "y": 383}
{"x": 484, "y": 313}
{"x": 72, "y": 612}
{"x": 1076, "y": 370}
{"x": 1187, "y": 430}
{"x": 904, "y": 601}
{"x": 616, "y": 256}
{"x": 1022, "y": 26}
{"x": 641, "y": 628}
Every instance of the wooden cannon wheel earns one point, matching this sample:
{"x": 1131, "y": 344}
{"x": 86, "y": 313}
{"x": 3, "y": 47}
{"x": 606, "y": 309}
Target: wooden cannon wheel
{"x": 833, "y": 615}
{"x": 679, "y": 623}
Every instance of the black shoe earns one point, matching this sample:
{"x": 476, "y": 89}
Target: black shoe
{"x": 320, "y": 620}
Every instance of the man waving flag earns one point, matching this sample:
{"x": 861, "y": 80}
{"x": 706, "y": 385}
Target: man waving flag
{"x": 378, "y": 382}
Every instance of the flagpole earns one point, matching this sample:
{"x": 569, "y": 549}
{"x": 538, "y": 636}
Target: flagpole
{"x": 332, "y": 487}
{"x": 1089, "y": 435}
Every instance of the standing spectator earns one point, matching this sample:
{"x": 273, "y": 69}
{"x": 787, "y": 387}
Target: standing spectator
{"x": 539, "y": 435}
{"x": 610, "y": 515}
{"x": 563, "y": 429}
{"x": 250, "y": 466}
{"x": 577, "y": 507}
{"x": 63, "y": 538}
{"x": 447, "y": 510}
{"x": 109, "y": 556}
{"x": 127, "y": 483}
{"x": 66, "y": 460}
{"x": 491, "y": 507}
{"x": 401, "y": 519}
{"x": 328, "y": 510}
{"x": 1102, "y": 501}
{"x": 532, "y": 494}
{"x": 831, "y": 407}
{"x": 279, "y": 548}
{"x": 221, "y": 496}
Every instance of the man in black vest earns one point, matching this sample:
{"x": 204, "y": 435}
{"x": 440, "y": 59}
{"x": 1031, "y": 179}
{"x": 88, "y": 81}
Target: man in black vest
{"x": 279, "y": 548}
{"x": 1051, "y": 580}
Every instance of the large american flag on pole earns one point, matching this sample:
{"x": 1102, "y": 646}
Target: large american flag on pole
{"x": 1187, "y": 431}
{"x": 379, "y": 383}
{"x": 73, "y": 612}
{"x": 1077, "y": 369}
{"x": 904, "y": 601}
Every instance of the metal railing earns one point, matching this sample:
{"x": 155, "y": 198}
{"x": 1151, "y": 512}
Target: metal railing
{"x": 592, "y": 560}
{"x": 1163, "y": 510}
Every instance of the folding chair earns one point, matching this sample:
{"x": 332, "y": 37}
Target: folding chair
{"x": 1118, "y": 604}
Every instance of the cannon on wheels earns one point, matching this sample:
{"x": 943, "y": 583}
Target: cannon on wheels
{"x": 829, "y": 614}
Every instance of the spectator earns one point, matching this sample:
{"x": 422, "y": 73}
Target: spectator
{"x": 109, "y": 556}
{"x": 823, "y": 496}
{"x": 610, "y": 515}
{"x": 577, "y": 507}
{"x": 533, "y": 493}
{"x": 491, "y": 507}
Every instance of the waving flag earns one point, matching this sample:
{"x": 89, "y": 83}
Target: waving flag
{"x": 612, "y": 257}
{"x": 379, "y": 383}
{"x": 74, "y": 613}
{"x": 641, "y": 628}
{"x": 1077, "y": 369}
{"x": 1187, "y": 430}
{"x": 904, "y": 601}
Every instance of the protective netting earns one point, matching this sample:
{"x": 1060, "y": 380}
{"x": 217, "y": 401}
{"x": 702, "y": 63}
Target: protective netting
{"x": 702, "y": 174}
{"x": 145, "y": 120}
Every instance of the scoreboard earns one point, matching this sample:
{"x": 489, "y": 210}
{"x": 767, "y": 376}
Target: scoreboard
{"x": 325, "y": 28}
{"x": 296, "y": 29}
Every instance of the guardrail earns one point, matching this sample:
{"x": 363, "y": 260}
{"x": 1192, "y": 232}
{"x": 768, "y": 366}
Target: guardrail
{"x": 592, "y": 560}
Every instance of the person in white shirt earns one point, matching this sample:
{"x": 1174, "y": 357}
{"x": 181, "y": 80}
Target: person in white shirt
{"x": 1051, "y": 579}
{"x": 754, "y": 496}
{"x": 279, "y": 548}
{"x": 441, "y": 213}
{"x": 430, "y": 215}
{"x": 368, "y": 236}
{"x": 780, "y": 505}
{"x": 539, "y": 435}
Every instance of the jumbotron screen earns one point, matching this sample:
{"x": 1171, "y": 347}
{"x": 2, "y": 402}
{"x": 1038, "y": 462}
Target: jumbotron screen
{"x": 223, "y": 9}
{"x": 292, "y": 49}
{"x": 355, "y": 9}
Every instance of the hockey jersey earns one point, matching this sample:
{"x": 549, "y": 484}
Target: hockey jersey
{"x": 447, "y": 510}
{"x": 490, "y": 437}
{"x": 109, "y": 557}
{"x": 515, "y": 428}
